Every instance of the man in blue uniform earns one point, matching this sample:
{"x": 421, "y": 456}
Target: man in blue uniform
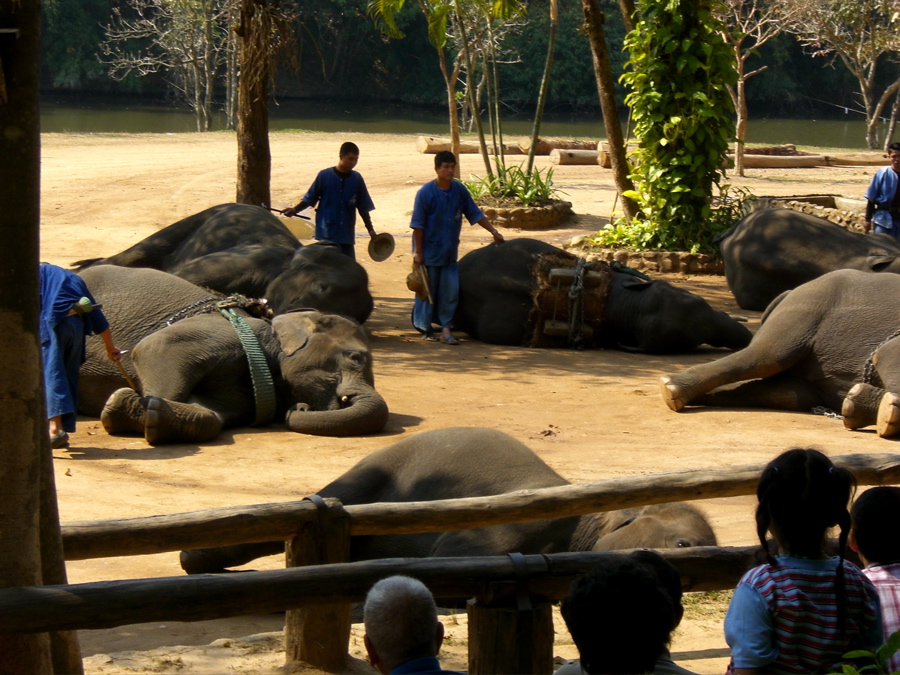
{"x": 67, "y": 315}
{"x": 339, "y": 192}
{"x": 883, "y": 197}
{"x": 436, "y": 225}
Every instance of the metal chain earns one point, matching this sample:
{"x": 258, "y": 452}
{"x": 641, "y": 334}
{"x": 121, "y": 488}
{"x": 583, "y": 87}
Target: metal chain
{"x": 869, "y": 376}
{"x": 576, "y": 306}
{"x": 209, "y": 305}
{"x": 826, "y": 412}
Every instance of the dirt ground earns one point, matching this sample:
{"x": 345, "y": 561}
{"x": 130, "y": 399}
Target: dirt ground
{"x": 590, "y": 415}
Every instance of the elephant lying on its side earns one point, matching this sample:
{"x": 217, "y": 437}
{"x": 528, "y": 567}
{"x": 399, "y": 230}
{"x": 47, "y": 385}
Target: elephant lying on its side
{"x": 774, "y": 250}
{"x": 496, "y": 302}
{"x": 194, "y": 375}
{"x": 811, "y": 350}
{"x": 237, "y": 248}
{"x": 472, "y": 462}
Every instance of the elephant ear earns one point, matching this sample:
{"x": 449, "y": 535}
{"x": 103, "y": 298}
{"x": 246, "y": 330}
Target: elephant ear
{"x": 636, "y": 284}
{"x": 878, "y": 260}
{"x": 293, "y": 330}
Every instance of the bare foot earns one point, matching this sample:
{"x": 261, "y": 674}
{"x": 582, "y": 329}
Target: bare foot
{"x": 672, "y": 393}
{"x": 888, "y": 424}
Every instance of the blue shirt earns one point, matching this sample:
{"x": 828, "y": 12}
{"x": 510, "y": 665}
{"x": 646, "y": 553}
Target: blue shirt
{"x": 438, "y": 213}
{"x": 881, "y": 191}
{"x": 339, "y": 196}
{"x": 427, "y": 665}
{"x": 59, "y": 290}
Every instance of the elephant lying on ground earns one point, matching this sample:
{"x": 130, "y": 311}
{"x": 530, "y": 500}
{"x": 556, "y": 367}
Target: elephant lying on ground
{"x": 774, "y": 250}
{"x": 238, "y": 248}
{"x": 194, "y": 377}
{"x": 472, "y": 462}
{"x": 812, "y": 350}
{"x": 497, "y": 305}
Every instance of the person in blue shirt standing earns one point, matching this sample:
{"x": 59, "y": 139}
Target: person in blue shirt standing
{"x": 436, "y": 224}
{"x": 339, "y": 193}
{"x": 68, "y": 314}
{"x": 883, "y": 197}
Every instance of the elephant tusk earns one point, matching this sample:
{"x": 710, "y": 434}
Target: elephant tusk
{"x": 738, "y": 317}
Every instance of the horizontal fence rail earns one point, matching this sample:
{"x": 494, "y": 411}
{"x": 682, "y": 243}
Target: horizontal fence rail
{"x": 267, "y": 522}
{"x": 107, "y": 604}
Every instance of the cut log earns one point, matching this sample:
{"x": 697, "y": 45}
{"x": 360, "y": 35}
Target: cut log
{"x": 603, "y": 157}
{"x": 430, "y": 145}
{"x": 545, "y": 145}
{"x": 856, "y": 159}
{"x": 780, "y": 162}
{"x": 573, "y": 156}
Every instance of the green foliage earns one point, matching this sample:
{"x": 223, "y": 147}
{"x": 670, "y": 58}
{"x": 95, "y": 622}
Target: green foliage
{"x": 680, "y": 69}
{"x": 878, "y": 658}
{"x": 728, "y": 207}
{"x": 513, "y": 185}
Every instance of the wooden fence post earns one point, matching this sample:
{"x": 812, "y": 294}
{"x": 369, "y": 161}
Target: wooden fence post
{"x": 320, "y": 635}
{"x": 510, "y": 633}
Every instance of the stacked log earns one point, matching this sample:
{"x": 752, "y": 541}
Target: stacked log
{"x": 558, "y": 156}
{"x": 434, "y": 144}
{"x": 546, "y": 145}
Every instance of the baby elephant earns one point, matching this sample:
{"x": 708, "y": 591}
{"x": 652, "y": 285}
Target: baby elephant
{"x": 471, "y": 462}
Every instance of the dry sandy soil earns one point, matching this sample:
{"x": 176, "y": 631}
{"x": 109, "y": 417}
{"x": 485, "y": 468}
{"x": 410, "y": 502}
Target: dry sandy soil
{"x": 590, "y": 415}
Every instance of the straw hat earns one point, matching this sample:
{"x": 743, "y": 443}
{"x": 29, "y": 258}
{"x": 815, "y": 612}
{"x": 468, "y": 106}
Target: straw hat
{"x": 381, "y": 246}
{"x": 417, "y": 282}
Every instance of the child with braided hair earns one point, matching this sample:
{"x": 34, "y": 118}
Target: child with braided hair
{"x": 804, "y": 609}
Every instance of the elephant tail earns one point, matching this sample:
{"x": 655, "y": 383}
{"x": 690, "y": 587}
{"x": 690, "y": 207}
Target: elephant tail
{"x": 81, "y": 265}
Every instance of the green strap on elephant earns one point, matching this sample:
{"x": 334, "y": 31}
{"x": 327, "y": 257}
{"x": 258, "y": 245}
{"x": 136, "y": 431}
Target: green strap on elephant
{"x": 263, "y": 386}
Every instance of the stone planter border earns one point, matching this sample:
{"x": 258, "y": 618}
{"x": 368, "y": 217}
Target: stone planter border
{"x": 531, "y": 217}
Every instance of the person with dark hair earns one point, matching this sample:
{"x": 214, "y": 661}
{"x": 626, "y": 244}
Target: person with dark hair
{"x": 619, "y": 616}
{"x": 403, "y": 634}
{"x": 875, "y": 535}
{"x": 802, "y": 610}
{"x": 883, "y": 197}
{"x": 436, "y": 224}
{"x": 68, "y": 314}
{"x": 339, "y": 192}
{"x": 669, "y": 580}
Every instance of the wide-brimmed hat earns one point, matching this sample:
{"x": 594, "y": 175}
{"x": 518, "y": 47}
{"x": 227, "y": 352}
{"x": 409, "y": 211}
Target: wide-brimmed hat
{"x": 417, "y": 282}
{"x": 381, "y": 246}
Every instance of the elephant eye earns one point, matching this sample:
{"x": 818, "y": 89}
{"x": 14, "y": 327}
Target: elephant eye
{"x": 682, "y": 543}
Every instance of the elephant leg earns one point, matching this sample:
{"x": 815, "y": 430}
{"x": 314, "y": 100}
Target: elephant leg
{"x": 124, "y": 413}
{"x": 174, "y": 422}
{"x": 220, "y": 558}
{"x": 888, "y": 423}
{"x": 860, "y": 407}
{"x": 779, "y": 392}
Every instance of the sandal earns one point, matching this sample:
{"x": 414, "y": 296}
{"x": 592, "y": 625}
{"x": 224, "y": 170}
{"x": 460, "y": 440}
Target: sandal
{"x": 430, "y": 337}
{"x": 450, "y": 340}
{"x": 61, "y": 441}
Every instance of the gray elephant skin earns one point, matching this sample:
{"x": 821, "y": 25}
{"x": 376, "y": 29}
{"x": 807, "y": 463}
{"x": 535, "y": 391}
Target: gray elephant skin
{"x": 811, "y": 350}
{"x": 473, "y": 462}
{"x": 239, "y": 248}
{"x": 774, "y": 250}
{"x": 193, "y": 375}
{"x": 497, "y": 282}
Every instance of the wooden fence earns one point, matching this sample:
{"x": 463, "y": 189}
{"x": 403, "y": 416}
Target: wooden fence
{"x": 318, "y": 598}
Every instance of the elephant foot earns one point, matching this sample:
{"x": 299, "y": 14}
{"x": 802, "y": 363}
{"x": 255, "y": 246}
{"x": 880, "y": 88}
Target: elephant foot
{"x": 860, "y": 407}
{"x": 672, "y": 394}
{"x": 175, "y": 422}
{"x": 123, "y": 413}
{"x": 888, "y": 424}
{"x": 220, "y": 558}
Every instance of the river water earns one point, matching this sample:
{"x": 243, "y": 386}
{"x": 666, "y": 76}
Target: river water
{"x": 104, "y": 116}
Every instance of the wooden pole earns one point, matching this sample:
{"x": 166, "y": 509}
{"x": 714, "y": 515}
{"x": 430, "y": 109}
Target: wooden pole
{"x": 504, "y": 639}
{"x": 268, "y": 522}
{"x": 106, "y": 604}
{"x": 320, "y": 635}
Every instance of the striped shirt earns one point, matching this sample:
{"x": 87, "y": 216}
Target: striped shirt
{"x": 887, "y": 582}
{"x": 783, "y": 618}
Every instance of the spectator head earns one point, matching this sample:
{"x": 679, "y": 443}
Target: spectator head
{"x": 667, "y": 576}
{"x": 401, "y": 623}
{"x": 876, "y": 519}
{"x": 444, "y": 157}
{"x": 620, "y": 617}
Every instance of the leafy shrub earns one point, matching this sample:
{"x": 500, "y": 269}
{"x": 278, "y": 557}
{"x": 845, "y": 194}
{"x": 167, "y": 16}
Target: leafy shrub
{"x": 514, "y": 186}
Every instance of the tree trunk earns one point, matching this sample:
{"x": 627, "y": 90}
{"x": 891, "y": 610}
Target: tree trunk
{"x": 892, "y": 125}
{"x": 545, "y": 86}
{"x": 23, "y": 423}
{"x": 450, "y": 82}
{"x": 629, "y": 11}
{"x": 470, "y": 68}
{"x": 740, "y": 127}
{"x": 254, "y": 156}
{"x": 593, "y": 19}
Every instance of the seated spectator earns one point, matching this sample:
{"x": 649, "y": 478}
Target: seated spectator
{"x": 875, "y": 535}
{"x": 621, "y": 616}
{"x": 403, "y": 634}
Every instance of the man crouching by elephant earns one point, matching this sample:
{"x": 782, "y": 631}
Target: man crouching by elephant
{"x": 201, "y": 363}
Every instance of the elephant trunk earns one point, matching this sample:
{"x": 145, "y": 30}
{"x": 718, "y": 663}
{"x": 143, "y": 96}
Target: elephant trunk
{"x": 365, "y": 412}
{"x": 726, "y": 332}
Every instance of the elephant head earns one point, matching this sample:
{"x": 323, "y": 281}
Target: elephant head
{"x": 675, "y": 525}
{"x": 320, "y": 276}
{"x": 326, "y": 364}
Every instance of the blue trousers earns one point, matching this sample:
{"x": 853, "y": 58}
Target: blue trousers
{"x": 443, "y": 280}
{"x": 63, "y": 356}
{"x": 894, "y": 230}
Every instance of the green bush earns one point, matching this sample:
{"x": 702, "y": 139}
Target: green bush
{"x": 680, "y": 67}
{"x": 512, "y": 186}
